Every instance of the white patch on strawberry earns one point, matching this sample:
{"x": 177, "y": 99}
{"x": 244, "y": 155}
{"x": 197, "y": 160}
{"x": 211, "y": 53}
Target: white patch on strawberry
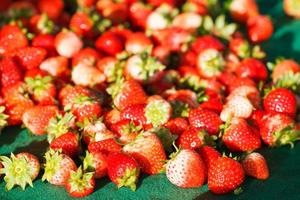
{"x": 156, "y": 21}
{"x": 68, "y": 44}
{"x": 87, "y": 75}
{"x": 187, "y": 21}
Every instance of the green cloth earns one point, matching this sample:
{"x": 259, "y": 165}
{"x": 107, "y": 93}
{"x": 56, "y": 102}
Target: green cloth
{"x": 284, "y": 162}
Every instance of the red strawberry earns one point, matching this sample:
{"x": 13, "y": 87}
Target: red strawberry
{"x": 281, "y": 100}
{"x": 260, "y": 28}
{"x": 255, "y": 165}
{"x": 240, "y": 46}
{"x": 41, "y": 23}
{"x": 209, "y": 155}
{"x": 177, "y": 125}
{"x": 291, "y": 8}
{"x": 67, "y": 43}
{"x": 186, "y": 169}
{"x": 205, "y": 119}
{"x": 87, "y": 55}
{"x": 45, "y": 41}
{"x": 192, "y": 139}
{"x": 126, "y": 130}
{"x": 19, "y": 170}
{"x": 80, "y": 184}
{"x": 138, "y": 14}
{"x": 283, "y": 68}
{"x": 252, "y": 68}
{"x": 11, "y": 37}
{"x": 239, "y": 136}
{"x": 109, "y": 43}
{"x": 277, "y": 129}
{"x": 58, "y": 168}
{"x": 68, "y": 143}
{"x": 52, "y": 8}
{"x": 186, "y": 98}
{"x": 56, "y": 66}
{"x": 137, "y": 43}
{"x": 123, "y": 170}
{"x": 95, "y": 162}
{"x": 207, "y": 42}
{"x": 225, "y": 175}
{"x": 86, "y": 3}
{"x": 104, "y": 146}
{"x": 136, "y": 113}
{"x": 131, "y": 92}
{"x": 37, "y": 118}
{"x": 214, "y": 104}
{"x": 242, "y": 10}
{"x": 42, "y": 89}
{"x": 29, "y": 57}
{"x": 114, "y": 11}
{"x": 10, "y": 72}
{"x": 148, "y": 150}
{"x": 81, "y": 24}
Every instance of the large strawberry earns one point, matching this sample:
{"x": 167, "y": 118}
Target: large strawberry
{"x": 95, "y": 162}
{"x": 225, "y": 175}
{"x": 80, "y": 184}
{"x": 58, "y": 167}
{"x": 255, "y": 165}
{"x": 148, "y": 150}
{"x": 20, "y": 169}
{"x": 123, "y": 170}
{"x": 37, "y": 118}
{"x": 186, "y": 169}
{"x": 240, "y": 136}
{"x": 281, "y": 100}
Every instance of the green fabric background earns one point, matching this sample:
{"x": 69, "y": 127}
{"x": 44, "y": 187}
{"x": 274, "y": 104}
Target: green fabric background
{"x": 284, "y": 162}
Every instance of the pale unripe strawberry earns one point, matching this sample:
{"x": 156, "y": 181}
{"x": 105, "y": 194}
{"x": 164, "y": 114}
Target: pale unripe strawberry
{"x": 67, "y": 43}
{"x": 87, "y": 75}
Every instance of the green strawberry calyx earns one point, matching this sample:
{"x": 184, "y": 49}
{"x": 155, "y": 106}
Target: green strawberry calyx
{"x": 88, "y": 162}
{"x": 287, "y": 135}
{"x": 38, "y": 84}
{"x": 53, "y": 163}
{"x": 158, "y": 112}
{"x": 17, "y": 171}
{"x": 129, "y": 178}
{"x": 3, "y": 117}
{"x": 80, "y": 181}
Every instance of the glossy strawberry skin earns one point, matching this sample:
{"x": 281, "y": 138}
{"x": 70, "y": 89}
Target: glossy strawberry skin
{"x": 105, "y": 146}
{"x": 207, "y": 42}
{"x": 68, "y": 143}
{"x": 81, "y": 24}
{"x": 281, "y": 100}
{"x": 82, "y": 193}
{"x": 191, "y": 139}
{"x": 52, "y": 8}
{"x": 252, "y": 68}
{"x": 11, "y": 73}
{"x": 260, "y": 28}
{"x": 255, "y": 165}
{"x": 177, "y": 125}
{"x": 209, "y": 155}
{"x": 109, "y": 43}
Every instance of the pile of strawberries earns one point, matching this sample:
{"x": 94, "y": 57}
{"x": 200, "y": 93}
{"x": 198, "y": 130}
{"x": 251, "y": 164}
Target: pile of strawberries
{"x": 120, "y": 86}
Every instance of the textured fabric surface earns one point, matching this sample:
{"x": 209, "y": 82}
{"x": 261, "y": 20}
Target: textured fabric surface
{"x": 284, "y": 162}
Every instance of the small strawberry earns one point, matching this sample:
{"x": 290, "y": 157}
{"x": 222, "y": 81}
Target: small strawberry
{"x": 104, "y": 146}
{"x": 10, "y": 72}
{"x": 205, "y": 119}
{"x": 37, "y": 118}
{"x": 67, "y": 43}
{"x": 68, "y": 143}
{"x": 260, "y": 28}
{"x": 95, "y": 162}
{"x": 20, "y": 169}
{"x": 209, "y": 155}
{"x": 52, "y": 8}
{"x": 281, "y": 100}
{"x": 148, "y": 151}
{"x": 225, "y": 175}
{"x": 192, "y": 139}
{"x": 255, "y": 165}
{"x": 284, "y": 70}
{"x": 252, "y": 68}
{"x": 177, "y": 125}
{"x": 81, "y": 24}
{"x": 242, "y": 10}
{"x": 109, "y": 43}
{"x": 123, "y": 170}
{"x": 291, "y": 8}
{"x": 56, "y": 66}
{"x": 186, "y": 169}
{"x": 239, "y": 136}
{"x": 80, "y": 184}
{"x": 58, "y": 167}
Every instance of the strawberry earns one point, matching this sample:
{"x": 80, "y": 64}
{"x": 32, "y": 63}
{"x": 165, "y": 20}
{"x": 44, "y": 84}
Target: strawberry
{"x": 58, "y": 167}
{"x": 87, "y": 55}
{"x": 56, "y": 66}
{"x": 42, "y": 89}
{"x": 67, "y": 43}
{"x": 85, "y": 3}
{"x": 242, "y": 10}
{"x": 45, "y": 41}
{"x": 37, "y": 118}
{"x": 192, "y": 139}
{"x": 277, "y": 129}
{"x": 291, "y": 8}
{"x": 137, "y": 43}
{"x": 207, "y": 42}
{"x": 114, "y": 11}
{"x": 281, "y": 100}
{"x": 81, "y": 24}
{"x": 95, "y": 162}
{"x": 11, "y": 38}
{"x": 209, "y": 155}
{"x": 123, "y": 170}
{"x": 225, "y": 175}
{"x": 104, "y": 146}
{"x": 136, "y": 113}
{"x": 186, "y": 169}
{"x": 205, "y": 119}
{"x": 159, "y": 18}
{"x": 260, "y": 28}
{"x": 68, "y": 143}
{"x": 80, "y": 184}
{"x": 214, "y": 104}
{"x": 126, "y": 130}
{"x": 11, "y": 73}
{"x": 20, "y": 169}
{"x": 252, "y": 68}
{"x": 188, "y": 20}
{"x": 283, "y": 68}
{"x": 128, "y": 93}
{"x": 148, "y": 151}
{"x": 255, "y": 165}
{"x": 41, "y": 24}
{"x": 177, "y": 125}
{"x": 250, "y": 92}
{"x": 29, "y": 57}
{"x": 239, "y": 136}
{"x": 52, "y": 8}
{"x": 109, "y": 43}
{"x": 138, "y": 14}
{"x": 95, "y": 131}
